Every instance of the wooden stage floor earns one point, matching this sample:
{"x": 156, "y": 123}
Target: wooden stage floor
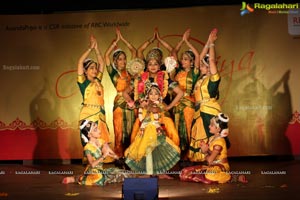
{"x": 269, "y": 178}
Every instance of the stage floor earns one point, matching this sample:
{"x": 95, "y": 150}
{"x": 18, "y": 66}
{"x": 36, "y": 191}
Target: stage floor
{"x": 268, "y": 179}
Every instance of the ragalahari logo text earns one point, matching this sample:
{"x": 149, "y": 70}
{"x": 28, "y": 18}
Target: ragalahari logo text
{"x": 246, "y": 8}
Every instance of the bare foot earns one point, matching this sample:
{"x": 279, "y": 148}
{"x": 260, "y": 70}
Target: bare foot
{"x": 69, "y": 179}
{"x": 242, "y": 179}
{"x": 165, "y": 176}
{"x": 144, "y": 176}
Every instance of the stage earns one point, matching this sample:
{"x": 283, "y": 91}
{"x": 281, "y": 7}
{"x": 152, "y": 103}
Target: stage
{"x": 269, "y": 178}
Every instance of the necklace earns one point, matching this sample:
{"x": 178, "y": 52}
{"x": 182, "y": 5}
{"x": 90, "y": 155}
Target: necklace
{"x": 95, "y": 145}
{"x": 214, "y": 138}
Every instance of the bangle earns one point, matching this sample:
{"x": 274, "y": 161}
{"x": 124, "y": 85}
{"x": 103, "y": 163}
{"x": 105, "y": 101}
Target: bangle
{"x": 89, "y": 49}
{"x": 211, "y": 45}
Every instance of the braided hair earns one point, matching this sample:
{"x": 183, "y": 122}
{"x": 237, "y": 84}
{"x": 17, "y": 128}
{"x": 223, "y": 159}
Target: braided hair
{"x": 85, "y": 128}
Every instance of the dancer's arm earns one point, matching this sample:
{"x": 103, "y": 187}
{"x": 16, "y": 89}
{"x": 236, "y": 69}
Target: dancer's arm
{"x": 130, "y": 46}
{"x": 100, "y": 59}
{"x": 110, "y": 49}
{"x": 141, "y": 49}
{"x": 179, "y": 95}
{"x": 80, "y": 69}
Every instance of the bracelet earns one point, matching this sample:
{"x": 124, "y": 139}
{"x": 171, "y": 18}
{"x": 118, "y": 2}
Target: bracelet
{"x": 211, "y": 45}
{"x": 206, "y": 46}
{"x": 89, "y": 49}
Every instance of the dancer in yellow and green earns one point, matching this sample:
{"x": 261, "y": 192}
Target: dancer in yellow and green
{"x": 97, "y": 152}
{"x": 206, "y": 94}
{"x": 185, "y": 76}
{"x": 89, "y": 79}
{"x": 217, "y": 168}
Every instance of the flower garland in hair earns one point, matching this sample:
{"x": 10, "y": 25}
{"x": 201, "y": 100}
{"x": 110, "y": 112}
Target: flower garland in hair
{"x": 82, "y": 126}
{"x": 221, "y": 118}
{"x": 224, "y": 118}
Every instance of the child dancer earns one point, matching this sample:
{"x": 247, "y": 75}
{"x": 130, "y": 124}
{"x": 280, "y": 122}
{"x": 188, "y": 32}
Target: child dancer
{"x": 217, "y": 170}
{"x": 152, "y": 152}
{"x": 96, "y": 151}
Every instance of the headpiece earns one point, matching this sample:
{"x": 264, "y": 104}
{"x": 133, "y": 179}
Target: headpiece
{"x": 135, "y": 66}
{"x": 87, "y": 62}
{"x": 155, "y": 53}
{"x": 117, "y": 53}
{"x": 85, "y": 128}
{"x": 85, "y": 122}
{"x": 221, "y": 121}
{"x": 149, "y": 86}
{"x": 190, "y": 54}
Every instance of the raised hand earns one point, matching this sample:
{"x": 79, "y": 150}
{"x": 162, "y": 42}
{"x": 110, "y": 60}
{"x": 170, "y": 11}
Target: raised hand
{"x": 93, "y": 42}
{"x": 213, "y": 35}
{"x": 118, "y": 34}
{"x": 186, "y": 34}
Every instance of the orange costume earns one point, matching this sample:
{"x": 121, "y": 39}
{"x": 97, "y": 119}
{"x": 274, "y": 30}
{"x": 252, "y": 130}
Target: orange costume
{"x": 123, "y": 117}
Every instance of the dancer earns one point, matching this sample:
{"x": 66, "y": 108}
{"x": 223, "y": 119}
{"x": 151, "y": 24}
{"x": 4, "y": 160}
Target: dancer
{"x": 206, "y": 93}
{"x": 89, "y": 79}
{"x": 185, "y": 76}
{"x": 152, "y": 151}
{"x": 157, "y": 52}
{"x": 97, "y": 151}
{"x": 123, "y": 116}
{"x": 217, "y": 168}
{"x": 153, "y": 75}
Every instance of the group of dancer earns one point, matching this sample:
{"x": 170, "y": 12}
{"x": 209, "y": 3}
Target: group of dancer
{"x": 163, "y": 113}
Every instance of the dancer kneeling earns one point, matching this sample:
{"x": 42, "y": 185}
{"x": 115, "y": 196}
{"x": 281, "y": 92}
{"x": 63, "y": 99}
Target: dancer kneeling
{"x": 217, "y": 170}
{"x": 97, "y": 150}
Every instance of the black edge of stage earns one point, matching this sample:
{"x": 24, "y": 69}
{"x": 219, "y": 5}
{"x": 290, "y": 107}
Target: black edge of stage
{"x": 54, "y": 6}
{"x": 21, "y": 7}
